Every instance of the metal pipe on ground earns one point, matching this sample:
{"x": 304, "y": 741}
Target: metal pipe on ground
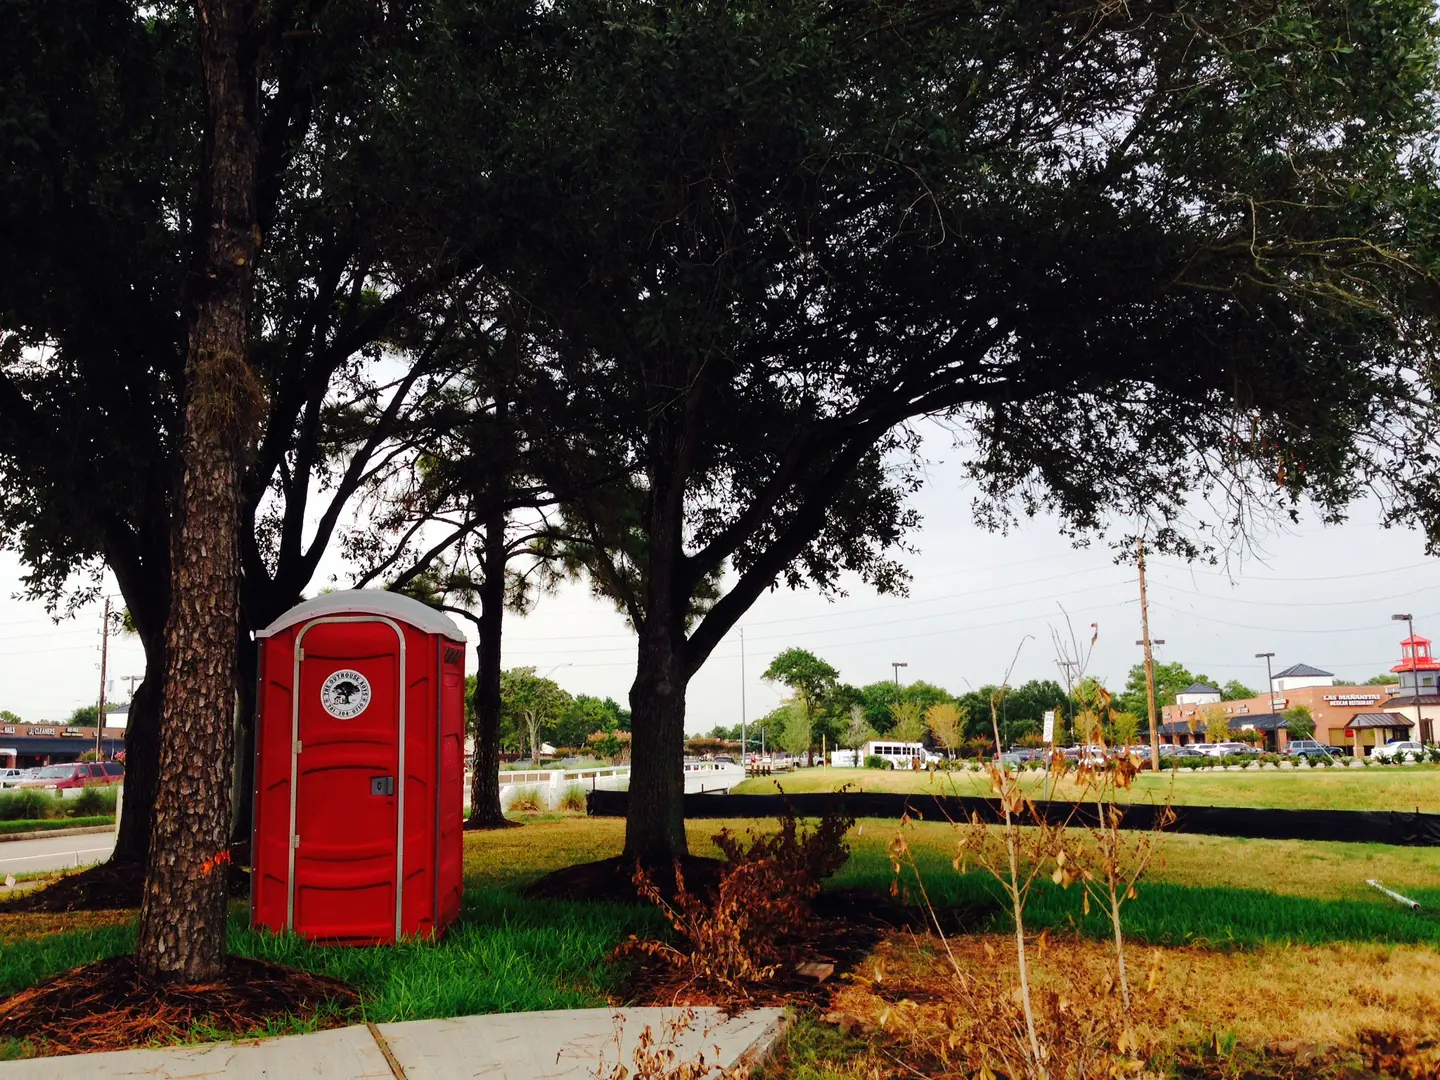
{"x": 1414, "y": 905}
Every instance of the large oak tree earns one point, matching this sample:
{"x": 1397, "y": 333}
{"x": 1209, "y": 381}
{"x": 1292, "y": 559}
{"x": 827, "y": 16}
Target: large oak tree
{"x": 1136, "y": 256}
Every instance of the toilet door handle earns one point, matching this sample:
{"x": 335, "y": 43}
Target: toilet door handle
{"x": 382, "y": 785}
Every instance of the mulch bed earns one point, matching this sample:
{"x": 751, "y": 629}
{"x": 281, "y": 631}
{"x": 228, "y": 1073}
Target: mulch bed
{"x": 471, "y": 825}
{"x": 613, "y": 880}
{"x": 108, "y": 1005}
{"x": 110, "y": 886}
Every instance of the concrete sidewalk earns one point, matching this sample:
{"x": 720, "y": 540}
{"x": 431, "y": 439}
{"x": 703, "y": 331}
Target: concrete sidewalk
{"x": 575, "y": 1044}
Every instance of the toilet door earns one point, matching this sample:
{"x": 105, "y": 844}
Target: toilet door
{"x": 347, "y": 760}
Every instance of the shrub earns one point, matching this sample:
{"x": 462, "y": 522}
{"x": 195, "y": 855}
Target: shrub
{"x": 91, "y": 802}
{"x": 26, "y": 804}
{"x": 526, "y": 800}
{"x": 875, "y": 761}
{"x": 746, "y": 933}
{"x": 574, "y": 799}
{"x": 1245, "y": 762}
{"x": 1433, "y": 754}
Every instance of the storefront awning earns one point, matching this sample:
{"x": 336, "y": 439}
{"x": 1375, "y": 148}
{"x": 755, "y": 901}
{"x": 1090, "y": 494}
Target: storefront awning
{"x": 1378, "y": 720}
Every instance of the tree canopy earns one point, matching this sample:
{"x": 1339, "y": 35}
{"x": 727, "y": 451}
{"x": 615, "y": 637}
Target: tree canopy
{"x": 1299, "y": 722}
{"x": 532, "y": 705}
{"x": 1170, "y": 679}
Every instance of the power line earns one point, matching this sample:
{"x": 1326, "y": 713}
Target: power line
{"x": 1326, "y": 577}
{"x": 894, "y": 637}
{"x": 1295, "y": 603}
{"x": 790, "y": 636}
{"x": 48, "y": 634}
{"x": 1276, "y": 629}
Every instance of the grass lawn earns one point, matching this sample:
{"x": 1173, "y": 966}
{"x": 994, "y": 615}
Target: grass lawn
{"x": 48, "y": 824}
{"x": 1379, "y": 787}
{"x": 1243, "y": 897}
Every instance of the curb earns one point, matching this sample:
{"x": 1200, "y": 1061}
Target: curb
{"x": 762, "y": 1049}
{"x": 41, "y": 834}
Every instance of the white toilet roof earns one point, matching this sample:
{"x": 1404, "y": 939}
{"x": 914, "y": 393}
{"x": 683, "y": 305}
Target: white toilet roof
{"x": 393, "y": 605}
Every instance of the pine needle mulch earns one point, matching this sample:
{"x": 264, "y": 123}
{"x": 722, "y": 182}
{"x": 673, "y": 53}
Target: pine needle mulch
{"x": 109, "y": 1005}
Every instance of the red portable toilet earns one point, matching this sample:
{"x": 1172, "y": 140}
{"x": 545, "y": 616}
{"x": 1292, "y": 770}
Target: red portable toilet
{"x": 359, "y": 762}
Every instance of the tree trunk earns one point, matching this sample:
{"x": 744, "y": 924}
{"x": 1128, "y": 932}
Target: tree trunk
{"x": 145, "y": 584}
{"x": 655, "y": 817}
{"x": 485, "y": 812}
{"x": 247, "y": 668}
{"x": 142, "y": 761}
{"x": 183, "y": 911}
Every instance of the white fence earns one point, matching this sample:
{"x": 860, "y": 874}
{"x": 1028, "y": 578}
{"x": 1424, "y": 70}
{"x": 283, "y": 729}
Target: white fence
{"x": 549, "y": 786}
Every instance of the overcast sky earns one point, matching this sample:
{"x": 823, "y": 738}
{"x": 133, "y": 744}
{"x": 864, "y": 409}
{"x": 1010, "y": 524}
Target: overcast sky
{"x": 1321, "y": 596}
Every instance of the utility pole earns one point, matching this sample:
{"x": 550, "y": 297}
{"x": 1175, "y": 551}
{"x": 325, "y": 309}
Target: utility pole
{"x": 744, "y": 745}
{"x": 1149, "y": 661}
{"x": 104, "y": 658}
{"x": 1071, "y": 668}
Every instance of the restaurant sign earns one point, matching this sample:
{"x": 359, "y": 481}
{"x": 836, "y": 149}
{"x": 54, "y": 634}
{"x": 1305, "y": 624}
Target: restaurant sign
{"x": 1353, "y": 699}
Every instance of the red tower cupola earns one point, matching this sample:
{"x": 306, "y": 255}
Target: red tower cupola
{"x": 1415, "y": 656}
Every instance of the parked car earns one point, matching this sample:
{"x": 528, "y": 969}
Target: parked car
{"x": 1208, "y": 749}
{"x": 1311, "y": 748}
{"x": 1239, "y": 749}
{"x": 12, "y": 777}
{"x": 76, "y": 775}
{"x": 1398, "y": 750}
{"x": 1167, "y": 750}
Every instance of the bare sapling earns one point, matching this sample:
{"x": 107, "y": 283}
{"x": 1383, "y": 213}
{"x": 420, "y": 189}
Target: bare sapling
{"x": 1114, "y": 859}
{"x": 1006, "y": 786}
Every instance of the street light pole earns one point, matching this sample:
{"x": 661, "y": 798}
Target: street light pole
{"x": 1414, "y": 675}
{"x": 744, "y": 745}
{"x": 104, "y": 657}
{"x": 1270, "y": 694}
{"x": 897, "y": 665}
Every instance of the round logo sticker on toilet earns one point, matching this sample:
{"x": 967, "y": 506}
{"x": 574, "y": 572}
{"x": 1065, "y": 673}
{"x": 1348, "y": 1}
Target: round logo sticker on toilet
{"x": 345, "y": 694}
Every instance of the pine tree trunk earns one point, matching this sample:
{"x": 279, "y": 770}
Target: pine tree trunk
{"x": 655, "y": 817}
{"x": 485, "y": 812}
{"x": 182, "y": 915}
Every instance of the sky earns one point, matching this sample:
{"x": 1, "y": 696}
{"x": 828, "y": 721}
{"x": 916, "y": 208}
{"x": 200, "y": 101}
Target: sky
{"x": 1313, "y": 594}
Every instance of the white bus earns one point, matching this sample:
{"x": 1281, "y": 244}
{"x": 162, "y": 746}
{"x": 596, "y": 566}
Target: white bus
{"x": 898, "y": 754}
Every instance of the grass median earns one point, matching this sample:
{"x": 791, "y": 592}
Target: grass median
{"x": 10, "y": 828}
{"x": 1378, "y": 787}
{"x": 508, "y": 954}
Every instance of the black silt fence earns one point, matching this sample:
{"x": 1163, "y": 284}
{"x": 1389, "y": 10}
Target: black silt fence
{"x": 1352, "y": 826}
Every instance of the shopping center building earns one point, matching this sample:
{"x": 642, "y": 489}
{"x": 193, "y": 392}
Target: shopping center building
{"x": 1357, "y": 718}
{"x": 23, "y": 746}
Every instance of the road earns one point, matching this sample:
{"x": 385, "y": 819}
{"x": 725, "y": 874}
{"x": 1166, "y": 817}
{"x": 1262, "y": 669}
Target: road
{"x": 54, "y": 853}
